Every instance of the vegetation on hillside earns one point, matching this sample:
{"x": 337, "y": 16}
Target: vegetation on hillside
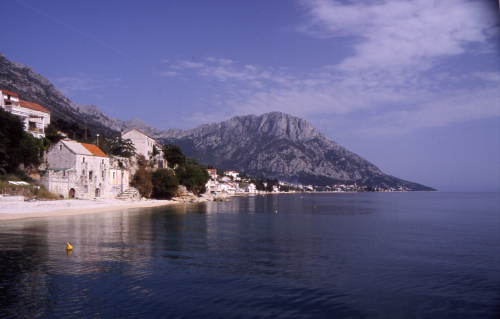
{"x": 187, "y": 170}
{"x": 165, "y": 183}
{"x": 18, "y": 147}
{"x": 142, "y": 178}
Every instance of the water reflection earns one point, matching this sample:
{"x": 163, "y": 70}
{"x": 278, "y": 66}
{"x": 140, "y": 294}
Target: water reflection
{"x": 265, "y": 256}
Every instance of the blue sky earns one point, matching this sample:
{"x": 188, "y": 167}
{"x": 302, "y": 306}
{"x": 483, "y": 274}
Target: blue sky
{"x": 412, "y": 86}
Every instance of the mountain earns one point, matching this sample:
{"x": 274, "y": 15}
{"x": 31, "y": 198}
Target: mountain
{"x": 281, "y": 146}
{"x": 272, "y": 145}
{"x": 33, "y": 87}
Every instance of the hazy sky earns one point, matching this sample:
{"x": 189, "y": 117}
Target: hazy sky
{"x": 412, "y": 86}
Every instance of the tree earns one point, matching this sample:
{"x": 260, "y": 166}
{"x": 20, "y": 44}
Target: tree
{"x": 165, "y": 183}
{"x": 142, "y": 181}
{"x": 72, "y": 129}
{"x": 174, "y": 156}
{"x": 155, "y": 151}
{"x": 51, "y": 133}
{"x": 117, "y": 146}
{"x": 17, "y": 146}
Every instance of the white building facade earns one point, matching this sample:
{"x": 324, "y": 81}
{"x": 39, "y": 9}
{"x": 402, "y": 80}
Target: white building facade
{"x": 145, "y": 145}
{"x": 34, "y": 116}
{"x": 78, "y": 170}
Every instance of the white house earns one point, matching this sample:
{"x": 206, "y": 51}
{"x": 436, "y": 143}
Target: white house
{"x": 233, "y": 174}
{"x": 212, "y": 172}
{"x": 144, "y": 145}
{"x": 83, "y": 171}
{"x": 34, "y": 116}
{"x": 226, "y": 179}
{"x": 212, "y": 186}
{"x": 229, "y": 188}
{"x": 251, "y": 188}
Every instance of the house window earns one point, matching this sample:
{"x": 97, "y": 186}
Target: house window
{"x": 84, "y": 159}
{"x": 90, "y": 175}
{"x": 102, "y": 161}
{"x": 60, "y": 147}
{"x": 114, "y": 176}
{"x": 103, "y": 174}
{"x": 64, "y": 173}
{"x": 85, "y": 189}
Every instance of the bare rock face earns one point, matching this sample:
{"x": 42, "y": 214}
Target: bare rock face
{"x": 279, "y": 145}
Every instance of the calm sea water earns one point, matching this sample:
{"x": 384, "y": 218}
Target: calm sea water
{"x": 366, "y": 255}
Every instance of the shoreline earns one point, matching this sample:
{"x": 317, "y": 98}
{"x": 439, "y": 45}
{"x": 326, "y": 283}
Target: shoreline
{"x": 70, "y": 207}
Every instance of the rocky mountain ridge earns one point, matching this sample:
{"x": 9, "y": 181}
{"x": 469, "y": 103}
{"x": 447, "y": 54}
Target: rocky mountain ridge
{"x": 282, "y": 146}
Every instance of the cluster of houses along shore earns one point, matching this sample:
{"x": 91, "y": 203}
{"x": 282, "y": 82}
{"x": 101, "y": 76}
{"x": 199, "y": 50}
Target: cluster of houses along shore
{"x": 84, "y": 171}
{"x": 79, "y": 170}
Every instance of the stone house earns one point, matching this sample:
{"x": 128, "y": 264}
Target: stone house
{"x": 34, "y": 116}
{"x": 83, "y": 171}
{"x": 121, "y": 170}
{"x": 144, "y": 145}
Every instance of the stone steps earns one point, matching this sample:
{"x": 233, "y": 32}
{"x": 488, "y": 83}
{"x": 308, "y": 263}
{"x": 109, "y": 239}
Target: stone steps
{"x": 128, "y": 194}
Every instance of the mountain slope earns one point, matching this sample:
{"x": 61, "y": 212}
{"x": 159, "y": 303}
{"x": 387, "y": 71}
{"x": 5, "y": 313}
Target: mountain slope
{"x": 33, "y": 87}
{"x": 280, "y": 145}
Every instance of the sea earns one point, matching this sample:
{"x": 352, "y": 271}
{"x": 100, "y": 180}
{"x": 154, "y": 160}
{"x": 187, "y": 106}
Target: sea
{"x": 303, "y": 255}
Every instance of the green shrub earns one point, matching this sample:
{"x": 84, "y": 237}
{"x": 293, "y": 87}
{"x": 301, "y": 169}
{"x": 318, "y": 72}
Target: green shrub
{"x": 165, "y": 183}
{"x": 142, "y": 181}
{"x": 194, "y": 177}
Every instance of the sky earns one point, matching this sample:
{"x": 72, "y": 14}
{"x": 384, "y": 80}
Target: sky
{"x": 411, "y": 86}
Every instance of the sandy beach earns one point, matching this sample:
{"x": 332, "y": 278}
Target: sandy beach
{"x": 38, "y": 209}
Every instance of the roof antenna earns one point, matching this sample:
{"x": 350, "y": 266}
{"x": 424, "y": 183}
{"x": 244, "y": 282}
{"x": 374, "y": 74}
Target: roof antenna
{"x": 85, "y": 131}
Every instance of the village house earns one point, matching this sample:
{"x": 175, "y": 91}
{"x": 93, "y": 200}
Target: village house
{"x": 34, "y": 116}
{"x": 229, "y": 188}
{"x": 212, "y": 172}
{"x": 121, "y": 170}
{"x": 212, "y": 186}
{"x": 145, "y": 145}
{"x": 83, "y": 171}
{"x": 233, "y": 174}
{"x": 251, "y": 188}
{"x": 226, "y": 179}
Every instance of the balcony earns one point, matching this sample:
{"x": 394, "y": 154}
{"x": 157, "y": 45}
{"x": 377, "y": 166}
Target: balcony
{"x": 35, "y": 130}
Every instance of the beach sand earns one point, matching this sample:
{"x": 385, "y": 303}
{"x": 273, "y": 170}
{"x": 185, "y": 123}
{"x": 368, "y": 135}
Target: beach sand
{"x": 38, "y": 209}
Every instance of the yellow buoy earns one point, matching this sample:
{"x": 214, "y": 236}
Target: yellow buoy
{"x": 69, "y": 247}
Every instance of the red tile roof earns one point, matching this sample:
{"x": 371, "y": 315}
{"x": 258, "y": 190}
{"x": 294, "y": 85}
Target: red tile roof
{"x": 9, "y": 93}
{"x": 94, "y": 149}
{"x": 33, "y": 106}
